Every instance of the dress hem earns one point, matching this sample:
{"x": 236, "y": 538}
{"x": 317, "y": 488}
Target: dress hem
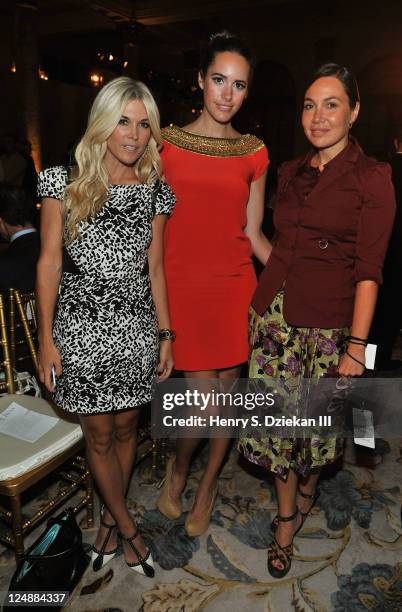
{"x": 284, "y": 472}
{"x": 135, "y": 404}
{"x": 203, "y": 367}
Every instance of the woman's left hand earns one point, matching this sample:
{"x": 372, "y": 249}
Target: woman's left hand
{"x": 166, "y": 363}
{"x": 348, "y": 366}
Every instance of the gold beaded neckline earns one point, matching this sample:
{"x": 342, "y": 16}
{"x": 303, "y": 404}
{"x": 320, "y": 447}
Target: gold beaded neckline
{"x": 214, "y": 147}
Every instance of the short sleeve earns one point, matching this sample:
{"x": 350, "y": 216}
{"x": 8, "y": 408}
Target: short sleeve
{"x": 375, "y": 224}
{"x": 165, "y": 200}
{"x": 52, "y": 182}
{"x": 261, "y": 161}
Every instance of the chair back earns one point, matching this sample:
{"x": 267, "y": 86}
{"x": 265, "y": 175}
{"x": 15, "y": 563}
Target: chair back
{"x": 6, "y": 385}
{"x": 23, "y": 327}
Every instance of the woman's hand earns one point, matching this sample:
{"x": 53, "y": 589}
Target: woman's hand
{"x": 48, "y": 357}
{"x": 347, "y": 365}
{"x": 166, "y": 363}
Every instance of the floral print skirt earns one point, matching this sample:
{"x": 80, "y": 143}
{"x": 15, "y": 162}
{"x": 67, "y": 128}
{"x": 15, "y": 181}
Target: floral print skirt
{"x": 289, "y": 354}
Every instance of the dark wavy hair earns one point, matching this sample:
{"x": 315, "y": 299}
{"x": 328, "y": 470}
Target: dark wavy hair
{"x": 222, "y": 42}
{"x": 344, "y": 75}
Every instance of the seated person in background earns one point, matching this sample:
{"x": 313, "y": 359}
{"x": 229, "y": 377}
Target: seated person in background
{"x": 13, "y": 163}
{"x": 18, "y": 261}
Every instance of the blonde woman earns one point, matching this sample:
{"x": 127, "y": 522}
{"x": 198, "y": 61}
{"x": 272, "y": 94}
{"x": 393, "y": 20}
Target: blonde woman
{"x": 102, "y": 297}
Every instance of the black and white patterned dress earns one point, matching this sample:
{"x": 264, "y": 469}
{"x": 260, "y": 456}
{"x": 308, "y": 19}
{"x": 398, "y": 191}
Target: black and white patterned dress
{"x": 105, "y": 322}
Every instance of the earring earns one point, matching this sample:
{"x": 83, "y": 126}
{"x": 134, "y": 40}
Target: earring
{"x": 350, "y": 124}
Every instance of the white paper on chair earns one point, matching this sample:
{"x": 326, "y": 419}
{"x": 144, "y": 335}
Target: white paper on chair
{"x": 23, "y": 424}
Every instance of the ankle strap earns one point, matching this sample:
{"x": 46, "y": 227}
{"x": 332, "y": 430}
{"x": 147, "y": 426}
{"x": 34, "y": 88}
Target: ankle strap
{"x": 285, "y": 519}
{"x": 311, "y": 496}
{"x": 129, "y": 538}
{"x": 107, "y": 525}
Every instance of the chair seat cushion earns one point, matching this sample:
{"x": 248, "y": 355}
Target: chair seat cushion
{"x": 17, "y": 456}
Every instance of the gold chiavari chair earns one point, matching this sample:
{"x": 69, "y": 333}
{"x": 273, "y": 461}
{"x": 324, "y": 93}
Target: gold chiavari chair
{"x": 7, "y": 385}
{"x": 23, "y": 327}
{"x": 59, "y": 452}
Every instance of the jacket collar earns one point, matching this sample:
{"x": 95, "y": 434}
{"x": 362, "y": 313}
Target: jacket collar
{"x": 338, "y": 166}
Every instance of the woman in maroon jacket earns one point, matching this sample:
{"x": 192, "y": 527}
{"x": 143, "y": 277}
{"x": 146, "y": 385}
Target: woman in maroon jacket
{"x": 315, "y": 300}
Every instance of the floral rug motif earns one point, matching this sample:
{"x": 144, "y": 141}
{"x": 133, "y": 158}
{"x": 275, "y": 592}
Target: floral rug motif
{"x": 348, "y": 556}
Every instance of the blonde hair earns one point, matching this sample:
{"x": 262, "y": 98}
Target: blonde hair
{"x": 89, "y": 188}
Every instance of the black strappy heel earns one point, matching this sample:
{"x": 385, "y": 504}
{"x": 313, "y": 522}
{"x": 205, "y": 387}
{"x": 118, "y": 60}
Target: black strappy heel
{"x": 99, "y": 558}
{"x": 144, "y": 565}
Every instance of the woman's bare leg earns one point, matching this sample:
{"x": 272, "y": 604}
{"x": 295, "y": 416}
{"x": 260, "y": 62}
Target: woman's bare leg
{"x": 217, "y": 451}
{"x": 286, "y": 494}
{"x": 308, "y": 487}
{"x": 185, "y": 447}
{"x": 105, "y": 468}
{"x": 217, "y": 446}
{"x": 125, "y": 431}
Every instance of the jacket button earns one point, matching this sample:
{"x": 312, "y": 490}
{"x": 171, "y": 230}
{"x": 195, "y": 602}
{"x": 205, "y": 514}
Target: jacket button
{"x": 323, "y": 243}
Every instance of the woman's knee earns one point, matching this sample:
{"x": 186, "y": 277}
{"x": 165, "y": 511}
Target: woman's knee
{"x": 99, "y": 440}
{"x": 125, "y": 429}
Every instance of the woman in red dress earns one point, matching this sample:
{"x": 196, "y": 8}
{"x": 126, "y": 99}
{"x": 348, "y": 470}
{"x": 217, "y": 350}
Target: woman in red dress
{"x": 218, "y": 176}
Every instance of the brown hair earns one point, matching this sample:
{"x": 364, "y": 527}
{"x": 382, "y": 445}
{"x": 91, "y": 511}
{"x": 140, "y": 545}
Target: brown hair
{"x": 344, "y": 75}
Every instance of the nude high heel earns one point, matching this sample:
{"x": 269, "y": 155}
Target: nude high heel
{"x": 169, "y": 508}
{"x": 197, "y": 526}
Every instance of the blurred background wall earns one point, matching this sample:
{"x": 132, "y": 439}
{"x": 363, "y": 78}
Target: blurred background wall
{"x": 54, "y": 54}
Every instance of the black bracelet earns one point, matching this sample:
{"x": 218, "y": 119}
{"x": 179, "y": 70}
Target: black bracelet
{"x": 357, "y": 360}
{"x": 167, "y": 334}
{"x": 364, "y": 340}
{"x": 356, "y": 342}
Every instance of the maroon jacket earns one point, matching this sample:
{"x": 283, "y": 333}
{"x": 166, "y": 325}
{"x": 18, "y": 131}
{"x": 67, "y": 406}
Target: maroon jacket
{"x": 329, "y": 240}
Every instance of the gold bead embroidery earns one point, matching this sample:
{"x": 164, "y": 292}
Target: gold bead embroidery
{"x": 214, "y": 147}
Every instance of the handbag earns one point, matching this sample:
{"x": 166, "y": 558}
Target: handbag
{"x": 55, "y": 562}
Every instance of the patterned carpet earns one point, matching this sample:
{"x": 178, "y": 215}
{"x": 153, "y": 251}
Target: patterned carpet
{"x": 347, "y": 557}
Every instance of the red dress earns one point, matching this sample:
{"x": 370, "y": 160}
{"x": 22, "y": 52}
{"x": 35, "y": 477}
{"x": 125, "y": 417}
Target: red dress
{"x": 209, "y": 272}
